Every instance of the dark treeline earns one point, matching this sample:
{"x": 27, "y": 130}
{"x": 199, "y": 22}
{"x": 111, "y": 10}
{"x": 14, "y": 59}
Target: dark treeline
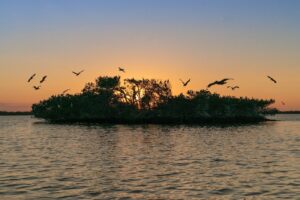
{"x": 14, "y": 113}
{"x": 289, "y": 112}
{"x": 147, "y": 101}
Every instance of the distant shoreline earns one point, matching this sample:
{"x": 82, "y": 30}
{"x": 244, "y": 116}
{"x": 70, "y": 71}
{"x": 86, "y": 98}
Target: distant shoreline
{"x": 6, "y": 113}
{"x": 288, "y": 112}
{"x": 166, "y": 121}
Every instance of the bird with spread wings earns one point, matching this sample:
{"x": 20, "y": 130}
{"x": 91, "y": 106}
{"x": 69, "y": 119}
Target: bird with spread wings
{"x": 233, "y": 87}
{"x": 221, "y": 82}
{"x": 77, "y": 73}
{"x": 185, "y": 83}
{"x": 121, "y": 69}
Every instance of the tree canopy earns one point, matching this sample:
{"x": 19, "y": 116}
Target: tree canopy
{"x": 146, "y": 101}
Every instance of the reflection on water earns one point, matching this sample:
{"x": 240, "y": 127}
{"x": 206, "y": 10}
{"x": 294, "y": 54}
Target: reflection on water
{"x": 40, "y": 160}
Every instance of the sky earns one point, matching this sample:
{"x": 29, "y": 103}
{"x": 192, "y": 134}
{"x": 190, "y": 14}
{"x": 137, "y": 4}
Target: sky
{"x": 205, "y": 40}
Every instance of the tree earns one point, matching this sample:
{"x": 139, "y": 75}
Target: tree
{"x": 146, "y": 100}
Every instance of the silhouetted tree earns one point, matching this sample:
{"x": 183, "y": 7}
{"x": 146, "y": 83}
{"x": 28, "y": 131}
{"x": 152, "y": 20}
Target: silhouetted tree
{"x": 146, "y": 100}
{"x": 146, "y": 93}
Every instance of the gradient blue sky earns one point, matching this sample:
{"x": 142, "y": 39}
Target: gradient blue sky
{"x": 203, "y": 40}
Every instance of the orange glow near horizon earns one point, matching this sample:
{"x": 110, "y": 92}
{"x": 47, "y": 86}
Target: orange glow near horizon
{"x": 21, "y": 95}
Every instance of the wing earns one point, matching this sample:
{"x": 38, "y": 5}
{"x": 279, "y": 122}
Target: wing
{"x": 272, "y": 79}
{"x": 66, "y": 91}
{"x": 44, "y": 78}
{"x": 211, "y": 84}
{"x": 31, "y": 77}
{"x": 226, "y": 79}
{"x": 187, "y": 81}
{"x": 74, "y": 72}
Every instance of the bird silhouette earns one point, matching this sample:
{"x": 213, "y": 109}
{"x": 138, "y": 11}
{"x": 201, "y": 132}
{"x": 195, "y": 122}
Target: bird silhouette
{"x": 121, "y": 69}
{"x": 185, "y": 83}
{"x": 31, "y": 77}
{"x": 43, "y": 79}
{"x": 282, "y": 103}
{"x": 221, "y": 82}
{"x": 37, "y": 87}
{"x": 233, "y": 87}
{"x": 77, "y": 73}
{"x": 65, "y": 91}
{"x": 272, "y": 79}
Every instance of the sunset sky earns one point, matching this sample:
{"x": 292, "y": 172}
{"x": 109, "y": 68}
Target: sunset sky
{"x": 204, "y": 40}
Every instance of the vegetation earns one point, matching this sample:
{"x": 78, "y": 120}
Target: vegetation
{"x": 147, "y": 101}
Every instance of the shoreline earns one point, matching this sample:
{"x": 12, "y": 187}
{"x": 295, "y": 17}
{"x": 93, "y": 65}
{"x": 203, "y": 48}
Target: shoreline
{"x": 214, "y": 121}
{"x": 17, "y": 113}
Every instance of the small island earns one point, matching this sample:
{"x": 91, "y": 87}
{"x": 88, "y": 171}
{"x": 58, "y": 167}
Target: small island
{"x": 139, "y": 101}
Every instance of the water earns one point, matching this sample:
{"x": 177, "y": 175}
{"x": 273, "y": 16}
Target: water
{"x": 44, "y": 161}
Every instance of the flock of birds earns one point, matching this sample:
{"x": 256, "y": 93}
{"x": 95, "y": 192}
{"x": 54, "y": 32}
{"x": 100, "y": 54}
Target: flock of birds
{"x": 41, "y": 81}
{"x": 184, "y": 83}
{"x": 224, "y": 81}
{"x": 221, "y": 82}
{"x": 37, "y": 87}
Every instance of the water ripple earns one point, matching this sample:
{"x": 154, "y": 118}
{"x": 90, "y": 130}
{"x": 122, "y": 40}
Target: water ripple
{"x": 47, "y": 161}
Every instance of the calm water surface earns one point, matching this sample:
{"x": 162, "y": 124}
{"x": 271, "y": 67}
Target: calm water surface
{"x": 45, "y": 161}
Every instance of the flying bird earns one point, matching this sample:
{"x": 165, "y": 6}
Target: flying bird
{"x": 43, "y": 79}
{"x": 77, "y": 73}
{"x": 121, "y": 69}
{"x": 185, "y": 83}
{"x": 37, "y": 87}
{"x": 221, "y": 82}
{"x": 233, "y": 87}
{"x": 65, "y": 91}
{"x": 282, "y": 103}
{"x": 31, "y": 77}
{"x": 272, "y": 79}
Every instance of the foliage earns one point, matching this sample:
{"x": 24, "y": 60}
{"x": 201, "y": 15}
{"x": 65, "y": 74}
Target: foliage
{"x": 146, "y": 101}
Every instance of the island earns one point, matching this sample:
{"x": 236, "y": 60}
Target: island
{"x": 140, "y": 101}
